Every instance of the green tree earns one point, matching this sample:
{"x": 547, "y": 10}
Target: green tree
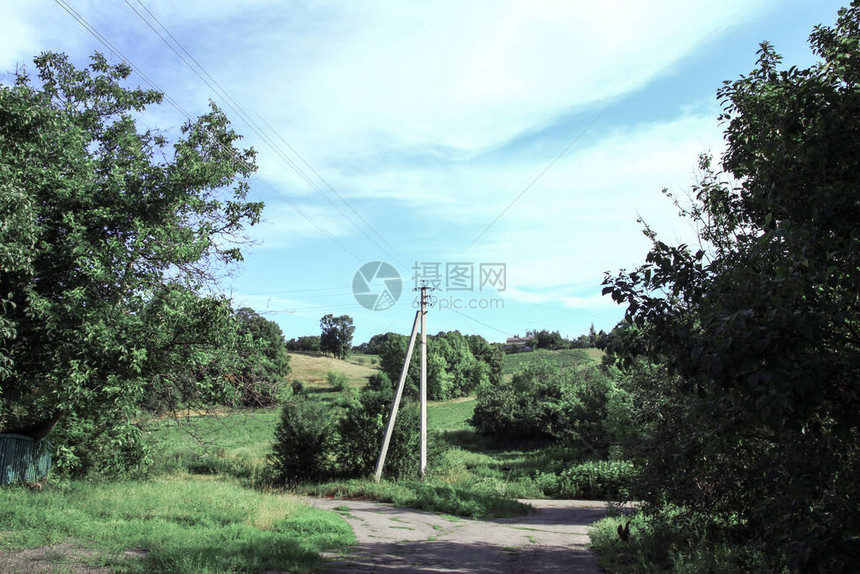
{"x": 336, "y": 335}
{"x": 305, "y": 439}
{"x": 544, "y": 339}
{"x": 489, "y": 354}
{"x": 758, "y": 328}
{"x": 111, "y": 234}
{"x": 546, "y": 404}
{"x": 263, "y": 340}
{"x": 452, "y": 370}
{"x": 362, "y": 428}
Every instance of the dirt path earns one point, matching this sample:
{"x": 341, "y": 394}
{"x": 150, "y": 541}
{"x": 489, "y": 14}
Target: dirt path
{"x": 553, "y": 539}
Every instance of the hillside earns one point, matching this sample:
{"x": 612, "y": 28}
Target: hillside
{"x": 564, "y": 359}
{"x": 312, "y": 369}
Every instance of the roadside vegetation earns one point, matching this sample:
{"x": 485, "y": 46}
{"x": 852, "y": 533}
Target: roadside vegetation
{"x": 742, "y": 353}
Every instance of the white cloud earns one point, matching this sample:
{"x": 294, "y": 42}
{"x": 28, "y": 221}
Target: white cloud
{"x": 471, "y": 77}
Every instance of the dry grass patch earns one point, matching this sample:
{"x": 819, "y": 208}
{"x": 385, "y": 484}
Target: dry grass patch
{"x": 312, "y": 370}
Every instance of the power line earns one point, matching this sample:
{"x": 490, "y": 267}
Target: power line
{"x": 113, "y": 49}
{"x": 240, "y": 111}
{"x": 535, "y": 180}
{"x": 481, "y": 323}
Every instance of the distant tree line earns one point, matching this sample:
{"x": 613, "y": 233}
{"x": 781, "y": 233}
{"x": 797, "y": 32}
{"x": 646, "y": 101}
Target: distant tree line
{"x": 553, "y": 341}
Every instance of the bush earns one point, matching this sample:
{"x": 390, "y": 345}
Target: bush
{"x": 362, "y": 429}
{"x": 304, "y": 441}
{"x": 336, "y": 380}
{"x": 594, "y": 480}
{"x": 379, "y": 381}
{"x": 316, "y": 440}
{"x": 543, "y": 403}
{"x": 298, "y": 386}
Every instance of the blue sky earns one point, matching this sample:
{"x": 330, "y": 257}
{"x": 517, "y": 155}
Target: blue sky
{"x": 401, "y": 131}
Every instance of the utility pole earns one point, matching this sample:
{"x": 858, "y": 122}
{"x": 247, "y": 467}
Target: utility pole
{"x": 420, "y": 319}
{"x": 423, "y": 386}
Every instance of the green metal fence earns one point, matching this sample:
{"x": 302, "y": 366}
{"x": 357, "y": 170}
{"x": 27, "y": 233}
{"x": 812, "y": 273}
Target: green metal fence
{"x": 23, "y": 459}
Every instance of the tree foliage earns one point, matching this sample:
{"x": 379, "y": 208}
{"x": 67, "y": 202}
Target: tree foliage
{"x": 305, "y": 344}
{"x": 336, "y": 335}
{"x": 267, "y": 362}
{"x": 550, "y": 340}
{"x": 546, "y": 404}
{"x": 317, "y": 440}
{"x": 456, "y": 365}
{"x": 109, "y": 236}
{"x": 757, "y": 328}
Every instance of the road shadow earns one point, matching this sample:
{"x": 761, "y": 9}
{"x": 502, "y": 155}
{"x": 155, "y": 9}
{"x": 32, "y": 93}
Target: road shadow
{"x": 449, "y": 556}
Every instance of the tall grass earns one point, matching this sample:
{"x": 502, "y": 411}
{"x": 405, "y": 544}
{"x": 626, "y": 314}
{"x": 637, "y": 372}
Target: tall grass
{"x": 235, "y": 445}
{"x": 181, "y": 526}
{"x": 672, "y": 539}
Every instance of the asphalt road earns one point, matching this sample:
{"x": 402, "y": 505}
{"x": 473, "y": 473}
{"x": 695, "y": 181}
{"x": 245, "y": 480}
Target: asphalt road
{"x": 552, "y": 539}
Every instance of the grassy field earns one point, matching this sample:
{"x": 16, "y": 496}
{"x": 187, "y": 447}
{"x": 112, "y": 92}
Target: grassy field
{"x": 179, "y": 525}
{"x": 312, "y": 369}
{"x": 209, "y": 506}
{"x": 450, "y": 415}
{"x": 564, "y": 359}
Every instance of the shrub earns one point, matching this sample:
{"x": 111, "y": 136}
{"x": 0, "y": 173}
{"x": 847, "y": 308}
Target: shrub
{"x": 317, "y": 440}
{"x": 304, "y": 442}
{"x": 298, "y": 386}
{"x": 336, "y": 380}
{"x": 594, "y": 480}
{"x": 379, "y": 381}
{"x": 362, "y": 429}
{"x": 547, "y": 404}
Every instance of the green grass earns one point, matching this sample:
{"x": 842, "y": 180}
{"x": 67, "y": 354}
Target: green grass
{"x": 671, "y": 540}
{"x": 468, "y": 475}
{"x": 181, "y": 526}
{"x": 429, "y": 495}
{"x": 450, "y": 415}
{"x": 564, "y": 359}
{"x": 235, "y": 444}
{"x": 363, "y": 360}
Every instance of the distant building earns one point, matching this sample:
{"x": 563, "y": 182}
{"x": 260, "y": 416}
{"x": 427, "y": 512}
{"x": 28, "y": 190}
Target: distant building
{"x": 517, "y": 344}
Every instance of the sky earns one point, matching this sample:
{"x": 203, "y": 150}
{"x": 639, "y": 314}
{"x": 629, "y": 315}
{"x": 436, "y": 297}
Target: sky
{"x": 499, "y": 151}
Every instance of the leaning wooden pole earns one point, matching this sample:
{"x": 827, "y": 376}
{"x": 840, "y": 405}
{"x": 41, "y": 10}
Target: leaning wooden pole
{"x": 396, "y": 404}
